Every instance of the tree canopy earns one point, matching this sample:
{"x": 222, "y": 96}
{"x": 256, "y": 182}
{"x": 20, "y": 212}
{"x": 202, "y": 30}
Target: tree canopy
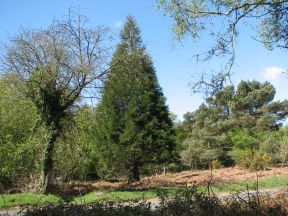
{"x": 231, "y": 119}
{"x": 221, "y": 21}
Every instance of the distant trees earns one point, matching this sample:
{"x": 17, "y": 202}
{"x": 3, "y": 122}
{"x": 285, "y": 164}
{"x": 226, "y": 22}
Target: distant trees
{"x": 231, "y": 122}
{"x": 133, "y": 126}
{"x": 52, "y": 67}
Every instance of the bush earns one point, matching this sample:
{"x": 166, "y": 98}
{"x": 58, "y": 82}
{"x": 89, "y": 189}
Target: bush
{"x": 276, "y": 145}
{"x": 5, "y": 183}
{"x": 216, "y": 164}
{"x": 99, "y": 209}
{"x": 251, "y": 159}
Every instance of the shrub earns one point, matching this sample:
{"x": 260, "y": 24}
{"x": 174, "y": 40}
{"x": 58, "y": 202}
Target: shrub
{"x": 216, "y": 164}
{"x": 277, "y": 146}
{"x": 251, "y": 159}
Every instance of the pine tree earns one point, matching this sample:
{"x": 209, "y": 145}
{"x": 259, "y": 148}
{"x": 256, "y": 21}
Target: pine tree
{"x": 231, "y": 120}
{"x": 133, "y": 124}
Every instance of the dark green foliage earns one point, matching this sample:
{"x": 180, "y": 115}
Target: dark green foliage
{"x": 133, "y": 125}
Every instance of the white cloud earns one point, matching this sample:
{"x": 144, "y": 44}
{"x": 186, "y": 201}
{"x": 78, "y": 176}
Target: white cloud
{"x": 118, "y": 24}
{"x": 272, "y": 72}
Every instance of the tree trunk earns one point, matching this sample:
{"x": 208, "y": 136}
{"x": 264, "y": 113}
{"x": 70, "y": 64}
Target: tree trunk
{"x": 164, "y": 169}
{"x": 134, "y": 174}
{"x": 48, "y": 161}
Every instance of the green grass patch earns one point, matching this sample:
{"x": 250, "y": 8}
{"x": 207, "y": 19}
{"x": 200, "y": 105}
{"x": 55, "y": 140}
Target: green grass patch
{"x": 118, "y": 195}
{"x": 23, "y": 199}
{"x": 263, "y": 183}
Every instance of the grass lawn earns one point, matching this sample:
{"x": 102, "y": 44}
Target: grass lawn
{"x": 263, "y": 183}
{"x": 118, "y": 195}
{"x": 22, "y": 199}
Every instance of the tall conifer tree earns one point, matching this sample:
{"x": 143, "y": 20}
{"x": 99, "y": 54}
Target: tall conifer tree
{"x": 133, "y": 126}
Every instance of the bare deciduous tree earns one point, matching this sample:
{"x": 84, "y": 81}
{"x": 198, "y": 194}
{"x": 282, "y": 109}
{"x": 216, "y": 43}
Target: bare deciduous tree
{"x": 53, "y": 67}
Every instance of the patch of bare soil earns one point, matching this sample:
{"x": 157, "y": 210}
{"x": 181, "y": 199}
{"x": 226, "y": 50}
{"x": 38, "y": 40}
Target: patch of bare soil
{"x": 68, "y": 191}
{"x": 192, "y": 178}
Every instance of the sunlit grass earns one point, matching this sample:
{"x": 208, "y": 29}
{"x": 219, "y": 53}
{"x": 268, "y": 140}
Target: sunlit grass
{"x": 118, "y": 195}
{"x": 23, "y": 199}
{"x": 262, "y": 183}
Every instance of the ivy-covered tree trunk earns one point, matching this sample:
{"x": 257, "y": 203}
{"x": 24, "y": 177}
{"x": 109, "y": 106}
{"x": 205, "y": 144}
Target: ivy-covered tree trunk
{"x": 48, "y": 160}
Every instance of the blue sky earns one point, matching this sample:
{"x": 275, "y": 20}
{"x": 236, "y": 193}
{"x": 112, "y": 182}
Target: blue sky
{"x": 173, "y": 61}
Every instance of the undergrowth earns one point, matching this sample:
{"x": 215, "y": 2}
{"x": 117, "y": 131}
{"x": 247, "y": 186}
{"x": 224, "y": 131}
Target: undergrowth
{"x": 188, "y": 202}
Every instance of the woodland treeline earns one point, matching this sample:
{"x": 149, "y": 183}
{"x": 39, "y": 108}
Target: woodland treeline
{"x": 49, "y": 130}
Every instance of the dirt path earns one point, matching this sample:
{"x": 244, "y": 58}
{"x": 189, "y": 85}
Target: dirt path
{"x": 11, "y": 213}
